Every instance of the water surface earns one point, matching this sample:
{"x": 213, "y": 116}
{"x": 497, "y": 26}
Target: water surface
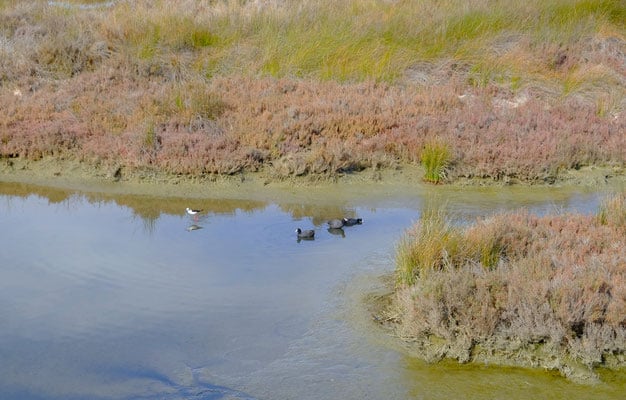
{"x": 113, "y": 297}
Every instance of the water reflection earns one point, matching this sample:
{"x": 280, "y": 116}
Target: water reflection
{"x": 52, "y": 195}
{"x": 193, "y": 227}
{"x": 319, "y": 214}
{"x": 147, "y": 208}
{"x": 337, "y": 232}
{"x": 305, "y": 239}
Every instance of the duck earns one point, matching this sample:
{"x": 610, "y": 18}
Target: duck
{"x": 305, "y": 234}
{"x": 336, "y": 223}
{"x": 352, "y": 221}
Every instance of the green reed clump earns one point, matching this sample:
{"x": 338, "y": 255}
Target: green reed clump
{"x": 612, "y": 211}
{"x": 435, "y": 242}
{"x": 431, "y": 244}
{"x": 435, "y": 159}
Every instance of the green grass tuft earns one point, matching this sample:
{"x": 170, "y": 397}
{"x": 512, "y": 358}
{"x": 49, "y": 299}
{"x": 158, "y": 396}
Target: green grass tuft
{"x": 430, "y": 245}
{"x": 435, "y": 243}
{"x": 435, "y": 159}
{"x": 612, "y": 211}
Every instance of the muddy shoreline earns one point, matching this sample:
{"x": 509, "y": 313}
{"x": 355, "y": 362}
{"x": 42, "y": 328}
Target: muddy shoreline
{"x": 81, "y": 176}
{"x": 432, "y": 349}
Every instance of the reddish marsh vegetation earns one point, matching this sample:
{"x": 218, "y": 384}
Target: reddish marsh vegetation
{"x": 225, "y": 87}
{"x": 542, "y": 291}
{"x": 302, "y": 127}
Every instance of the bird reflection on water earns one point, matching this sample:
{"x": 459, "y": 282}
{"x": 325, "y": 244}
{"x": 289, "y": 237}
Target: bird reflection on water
{"x": 337, "y": 231}
{"x": 193, "y": 227}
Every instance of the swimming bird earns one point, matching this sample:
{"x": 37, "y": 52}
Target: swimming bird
{"x": 352, "y": 221}
{"x": 335, "y": 223}
{"x": 193, "y": 212}
{"x": 305, "y": 234}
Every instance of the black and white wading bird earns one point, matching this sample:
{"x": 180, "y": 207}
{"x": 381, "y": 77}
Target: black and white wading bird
{"x": 193, "y": 212}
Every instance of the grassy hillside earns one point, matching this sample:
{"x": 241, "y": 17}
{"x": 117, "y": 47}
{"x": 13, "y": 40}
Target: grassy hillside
{"x": 309, "y": 87}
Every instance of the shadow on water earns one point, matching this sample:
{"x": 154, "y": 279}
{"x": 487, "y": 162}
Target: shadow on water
{"x": 198, "y": 391}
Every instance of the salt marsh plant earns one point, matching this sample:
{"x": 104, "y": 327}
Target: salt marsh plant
{"x": 191, "y": 102}
{"x": 514, "y": 281}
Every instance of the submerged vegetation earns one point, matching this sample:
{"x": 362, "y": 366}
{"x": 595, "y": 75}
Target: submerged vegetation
{"x": 546, "y": 291}
{"x": 518, "y": 91}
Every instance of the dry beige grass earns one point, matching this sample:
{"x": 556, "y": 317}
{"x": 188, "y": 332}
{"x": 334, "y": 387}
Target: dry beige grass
{"x": 518, "y": 91}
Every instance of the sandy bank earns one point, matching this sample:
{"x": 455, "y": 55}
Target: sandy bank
{"x": 80, "y": 176}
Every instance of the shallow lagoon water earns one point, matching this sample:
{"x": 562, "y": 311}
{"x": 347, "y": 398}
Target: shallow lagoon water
{"x": 112, "y": 297}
